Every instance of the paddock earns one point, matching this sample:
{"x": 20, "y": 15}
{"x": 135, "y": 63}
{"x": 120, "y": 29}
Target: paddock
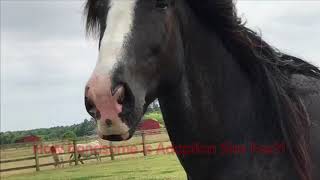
{"x": 150, "y": 167}
{"x": 20, "y": 158}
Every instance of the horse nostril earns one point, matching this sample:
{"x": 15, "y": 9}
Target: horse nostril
{"x": 86, "y": 92}
{"x": 108, "y": 122}
{"x": 97, "y": 114}
{"x": 118, "y": 93}
{"x": 91, "y": 108}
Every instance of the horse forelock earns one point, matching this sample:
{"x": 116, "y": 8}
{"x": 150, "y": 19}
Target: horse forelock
{"x": 96, "y": 15}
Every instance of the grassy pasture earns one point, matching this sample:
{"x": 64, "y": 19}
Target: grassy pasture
{"x": 155, "y": 141}
{"x": 150, "y": 167}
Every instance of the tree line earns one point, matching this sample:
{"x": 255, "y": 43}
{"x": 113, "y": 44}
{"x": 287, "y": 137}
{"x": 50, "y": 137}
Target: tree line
{"x": 86, "y": 128}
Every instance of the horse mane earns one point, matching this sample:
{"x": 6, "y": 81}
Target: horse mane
{"x": 270, "y": 69}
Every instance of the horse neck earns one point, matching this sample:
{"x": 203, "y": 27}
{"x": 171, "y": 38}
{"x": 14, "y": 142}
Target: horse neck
{"x": 215, "y": 101}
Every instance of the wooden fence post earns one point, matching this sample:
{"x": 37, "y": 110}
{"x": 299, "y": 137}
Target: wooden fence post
{"x": 111, "y": 150}
{"x": 144, "y": 143}
{"x": 36, "y": 156}
{"x": 75, "y": 152}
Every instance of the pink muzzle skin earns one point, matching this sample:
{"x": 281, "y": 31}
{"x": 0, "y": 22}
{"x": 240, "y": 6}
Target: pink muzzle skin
{"x": 107, "y": 103}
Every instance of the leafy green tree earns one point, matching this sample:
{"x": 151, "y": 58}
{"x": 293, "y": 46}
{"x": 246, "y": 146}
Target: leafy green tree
{"x": 69, "y": 135}
{"x": 86, "y": 128}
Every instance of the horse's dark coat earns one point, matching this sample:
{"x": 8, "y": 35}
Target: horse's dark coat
{"x": 218, "y": 81}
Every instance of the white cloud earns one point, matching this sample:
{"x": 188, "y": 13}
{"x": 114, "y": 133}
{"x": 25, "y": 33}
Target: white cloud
{"x": 43, "y": 69}
{"x": 46, "y": 60}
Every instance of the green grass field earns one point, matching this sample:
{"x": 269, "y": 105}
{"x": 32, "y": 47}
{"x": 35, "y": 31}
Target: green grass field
{"x": 151, "y": 167}
{"x": 151, "y": 140}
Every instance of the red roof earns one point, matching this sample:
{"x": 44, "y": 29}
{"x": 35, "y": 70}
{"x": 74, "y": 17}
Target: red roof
{"x": 148, "y": 124}
{"x": 30, "y": 138}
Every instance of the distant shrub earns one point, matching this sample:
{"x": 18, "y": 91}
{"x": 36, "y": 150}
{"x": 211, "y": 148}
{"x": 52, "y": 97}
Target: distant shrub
{"x": 157, "y": 115}
{"x": 69, "y": 135}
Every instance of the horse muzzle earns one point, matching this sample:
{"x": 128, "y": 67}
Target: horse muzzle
{"x": 110, "y": 105}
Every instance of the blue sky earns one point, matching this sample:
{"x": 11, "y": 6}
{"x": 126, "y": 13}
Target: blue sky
{"x": 46, "y": 59}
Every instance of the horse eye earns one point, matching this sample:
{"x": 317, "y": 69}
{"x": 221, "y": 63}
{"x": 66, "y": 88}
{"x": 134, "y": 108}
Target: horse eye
{"x": 162, "y": 4}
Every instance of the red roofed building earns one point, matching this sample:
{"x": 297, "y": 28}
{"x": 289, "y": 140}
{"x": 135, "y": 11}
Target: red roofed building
{"x": 30, "y": 138}
{"x": 149, "y": 124}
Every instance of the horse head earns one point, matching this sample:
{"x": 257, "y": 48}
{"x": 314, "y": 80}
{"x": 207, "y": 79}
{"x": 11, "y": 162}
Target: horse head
{"x": 139, "y": 54}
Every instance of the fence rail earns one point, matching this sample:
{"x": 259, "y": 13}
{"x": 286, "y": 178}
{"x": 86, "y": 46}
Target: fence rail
{"x": 36, "y": 157}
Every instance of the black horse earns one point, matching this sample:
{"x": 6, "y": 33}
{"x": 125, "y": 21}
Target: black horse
{"x": 216, "y": 80}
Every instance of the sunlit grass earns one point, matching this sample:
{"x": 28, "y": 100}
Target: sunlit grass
{"x": 151, "y": 167}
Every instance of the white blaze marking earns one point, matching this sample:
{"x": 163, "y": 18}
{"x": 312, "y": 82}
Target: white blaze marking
{"x": 119, "y": 25}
